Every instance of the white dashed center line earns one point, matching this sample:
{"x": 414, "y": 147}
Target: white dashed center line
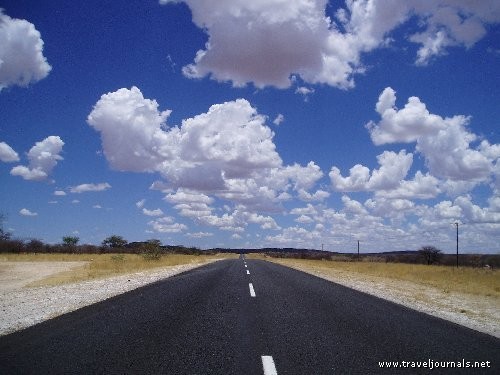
{"x": 246, "y": 266}
{"x": 268, "y": 365}
{"x": 252, "y": 291}
{"x": 248, "y": 272}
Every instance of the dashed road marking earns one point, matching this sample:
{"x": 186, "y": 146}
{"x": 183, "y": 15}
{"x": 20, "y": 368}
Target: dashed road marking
{"x": 268, "y": 365}
{"x": 248, "y": 272}
{"x": 246, "y": 266}
{"x": 252, "y": 291}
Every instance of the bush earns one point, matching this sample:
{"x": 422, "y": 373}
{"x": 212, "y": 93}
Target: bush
{"x": 70, "y": 240}
{"x": 35, "y": 246}
{"x": 114, "y": 242}
{"x": 151, "y": 250}
{"x": 11, "y": 246}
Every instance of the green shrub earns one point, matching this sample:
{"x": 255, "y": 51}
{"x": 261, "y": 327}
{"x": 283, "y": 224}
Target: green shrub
{"x": 151, "y": 250}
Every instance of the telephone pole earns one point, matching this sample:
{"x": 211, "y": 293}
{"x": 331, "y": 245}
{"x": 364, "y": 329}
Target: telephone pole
{"x": 358, "y": 249}
{"x": 456, "y": 224}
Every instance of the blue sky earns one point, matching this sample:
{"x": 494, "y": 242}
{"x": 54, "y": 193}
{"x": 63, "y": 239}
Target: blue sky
{"x": 252, "y": 124}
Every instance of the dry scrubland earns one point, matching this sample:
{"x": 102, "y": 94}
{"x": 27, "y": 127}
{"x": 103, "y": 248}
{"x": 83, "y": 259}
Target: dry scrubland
{"x": 98, "y": 266}
{"x": 466, "y": 296}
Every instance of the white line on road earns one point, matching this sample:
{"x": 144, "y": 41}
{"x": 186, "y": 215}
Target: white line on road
{"x": 252, "y": 291}
{"x": 248, "y": 272}
{"x": 268, "y": 365}
{"x": 246, "y": 266}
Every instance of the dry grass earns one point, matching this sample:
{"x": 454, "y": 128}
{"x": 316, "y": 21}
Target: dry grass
{"x": 105, "y": 265}
{"x": 475, "y": 281}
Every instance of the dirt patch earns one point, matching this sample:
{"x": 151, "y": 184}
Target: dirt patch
{"x": 16, "y": 275}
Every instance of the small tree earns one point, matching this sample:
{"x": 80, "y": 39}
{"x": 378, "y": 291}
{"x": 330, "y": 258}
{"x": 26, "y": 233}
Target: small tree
{"x": 152, "y": 250}
{"x": 35, "y": 246}
{"x": 70, "y": 241}
{"x": 114, "y": 241}
{"x": 430, "y": 254}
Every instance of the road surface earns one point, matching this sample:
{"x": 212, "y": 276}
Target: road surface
{"x": 243, "y": 316}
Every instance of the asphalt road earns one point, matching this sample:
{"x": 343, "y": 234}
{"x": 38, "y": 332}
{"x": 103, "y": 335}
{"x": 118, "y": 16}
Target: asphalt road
{"x": 212, "y": 321}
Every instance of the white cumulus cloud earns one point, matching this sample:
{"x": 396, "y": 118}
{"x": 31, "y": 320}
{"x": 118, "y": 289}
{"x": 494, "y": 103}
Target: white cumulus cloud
{"x": 26, "y": 212}
{"x": 21, "y": 53}
{"x": 7, "y": 153}
{"x": 167, "y": 225}
{"x": 287, "y": 38}
{"x": 227, "y": 151}
{"x": 83, "y": 188}
{"x": 156, "y": 212}
{"x": 444, "y": 142}
{"x": 393, "y": 169}
{"x": 43, "y": 157}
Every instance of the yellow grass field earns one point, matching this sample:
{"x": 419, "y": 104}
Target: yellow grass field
{"x": 105, "y": 265}
{"x": 476, "y": 281}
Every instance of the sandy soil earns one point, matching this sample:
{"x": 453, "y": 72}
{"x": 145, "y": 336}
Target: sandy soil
{"x": 16, "y": 275}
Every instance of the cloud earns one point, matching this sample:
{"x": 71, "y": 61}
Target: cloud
{"x": 59, "y": 193}
{"x": 319, "y": 195}
{"x": 420, "y": 187}
{"x": 408, "y": 124}
{"x": 444, "y": 142}
{"x": 140, "y": 204}
{"x": 200, "y": 234}
{"x": 131, "y": 130}
{"x": 197, "y": 207}
{"x": 305, "y": 92}
{"x": 449, "y": 24}
{"x": 21, "y": 53}
{"x": 227, "y": 151}
{"x": 279, "y": 119}
{"x": 393, "y": 169}
{"x": 7, "y": 154}
{"x": 230, "y": 137}
{"x": 284, "y": 39}
{"x": 167, "y": 225}
{"x": 83, "y": 188}
{"x": 157, "y": 212}
{"x": 43, "y": 157}
{"x": 391, "y": 208}
{"x": 26, "y": 212}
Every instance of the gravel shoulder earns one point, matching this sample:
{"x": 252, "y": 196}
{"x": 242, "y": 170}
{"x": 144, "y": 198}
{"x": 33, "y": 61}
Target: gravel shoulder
{"x": 480, "y": 313}
{"x": 23, "y": 306}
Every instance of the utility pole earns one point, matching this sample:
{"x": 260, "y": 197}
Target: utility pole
{"x": 358, "y": 249}
{"x": 456, "y": 224}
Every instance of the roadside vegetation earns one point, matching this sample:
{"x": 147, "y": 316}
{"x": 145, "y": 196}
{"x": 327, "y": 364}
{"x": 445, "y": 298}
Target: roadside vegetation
{"x": 115, "y": 256}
